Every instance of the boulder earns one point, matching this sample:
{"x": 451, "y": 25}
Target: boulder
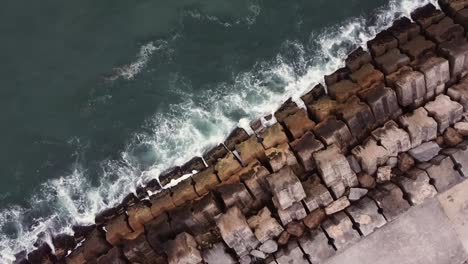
{"x": 366, "y": 181}
{"x": 425, "y": 151}
{"x": 452, "y": 137}
{"x": 314, "y": 218}
{"x": 337, "y": 206}
{"x": 405, "y": 162}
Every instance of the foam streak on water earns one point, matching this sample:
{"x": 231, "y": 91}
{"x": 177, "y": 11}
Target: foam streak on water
{"x": 189, "y": 129}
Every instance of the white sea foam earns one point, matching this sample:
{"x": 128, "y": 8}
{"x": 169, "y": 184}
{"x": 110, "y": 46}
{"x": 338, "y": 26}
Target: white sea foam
{"x": 188, "y": 129}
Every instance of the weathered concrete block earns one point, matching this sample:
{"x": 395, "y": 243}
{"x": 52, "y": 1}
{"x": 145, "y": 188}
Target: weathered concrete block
{"x": 286, "y": 109}
{"x": 195, "y": 164}
{"x": 340, "y": 228}
{"x": 436, "y": 72}
{"x": 286, "y": 188}
{"x": 357, "y": 59}
{"x": 418, "y": 47}
{"x": 298, "y": 123}
{"x": 404, "y": 30}
{"x": 358, "y": 116}
{"x": 183, "y": 250}
{"x": 269, "y": 247}
{"x": 314, "y": 218}
{"x": 445, "y": 111}
{"x": 444, "y": 30}
{"x": 392, "y": 138}
{"x": 114, "y": 256}
{"x": 182, "y": 220}
{"x": 138, "y": 216}
{"x": 182, "y": 192}
{"x": 461, "y": 17}
{"x": 315, "y": 245}
{"x": 316, "y": 194}
{"x": 460, "y": 157}
{"x": 254, "y": 177}
{"x": 427, "y": 15}
{"x": 304, "y": 148}
{"x": 265, "y": 227}
{"x": 383, "y": 103}
{"x": 383, "y": 42}
{"x": 237, "y": 136}
{"x": 250, "y": 149}
{"x": 117, "y": 229}
{"x": 452, "y": 6}
{"x": 140, "y": 251}
{"x": 321, "y": 109}
{"x": 409, "y": 85}
{"x": 456, "y": 52}
{"x": 206, "y": 210}
{"x": 416, "y": 185}
{"x": 459, "y": 93}
{"x": 273, "y": 136}
{"x": 340, "y": 91}
{"x": 213, "y": 155}
{"x": 365, "y": 214}
{"x": 95, "y": 245}
{"x": 333, "y": 131}
{"x": 237, "y": 195}
{"x": 295, "y": 212}
{"x": 218, "y": 254}
{"x": 292, "y": 253}
{"x": 204, "y": 181}
{"x": 443, "y": 173}
{"x": 280, "y": 156}
{"x": 158, "y": 231}
{"x": 367, "y": 76}
{"x": 161, "y": 202}
{"x": 337, "y": 206}
{"x": 420, "y": 126}
{"x": 384, "y": 174}
{"x": 236, "y": 232}
{"x": 227, "y": 166}
{"x": 314, "y": 94}
{"x": 333, "y": 167}
{"x": 391, "y": 61}
{"x": 389, "y": 198}
{"x": 370, "y": 155}
{"x": 336, "y": 76}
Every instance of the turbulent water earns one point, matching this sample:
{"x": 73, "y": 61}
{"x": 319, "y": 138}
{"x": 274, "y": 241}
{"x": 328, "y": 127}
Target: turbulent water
{"x": 97, "y": 98}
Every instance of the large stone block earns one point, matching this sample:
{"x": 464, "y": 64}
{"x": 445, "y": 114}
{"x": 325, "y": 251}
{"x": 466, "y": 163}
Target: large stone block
{"x": 392, "y": 138}
{"x": 453, "y": 6}
{"x": 250, "y": 150}
{"x": 444, "y": 30}
{"x": 443, "y": 174}
{"x": 321, "y": 109}
{"x": 113, "y": 256}
{"x": 404, "y": 30}
{"x": 461, "y": 17}
{"x": 341, "y": 91}
{"x": 383, "y": 103}
{"x": 358, "y": 116}
{"x": 456, "y": 52}
{"x": 206, "y": 210}
{"x": 286, "y": 109}
{"x": 445, "y": 111}
{"x": 265, "y": 227}
{"x": 161, "y": 202}
{"x": 317, "y": 196}
{"x": 138, "y": 216}
{"x": 340, "y": 228}
{"x": 304, "y": 148}
{"x": 383, "y": 42}
{"x": 334, "y": 168}
{"x": 357, "y": 59}
{"x": 298, "y": 124}
{"x": 315, "y": 245}
{"x": 292, "y": 253}
{"x": 333, "y": 131}
{"x": 194, "y": 165}
{"x": 237, "y": 136}
{"x": 459, "y": 93}
{"x": 286, "y": 188}
{"x": 140, "y": 251}
{"x": 294, "y": 212}
{"x": 204, "y": 181}
{"x": 182, "y": 220}
{"x": 336, "y": 76}
{"x": 365, "y": 214}
{"x": 425, "y": 151}
{"x": 236, "y": 195}
{"x": 273, "y": 136}
{"x": 254, "y": 177}
{"x": 218, "y": 254}
{"x": 315, "y": 93}
{"x": 95, "y": 245}
{"x": 235, "y": 231}
{"x": 213, "y": 155}
{"x": 420, "y": 126}
{"x": 184, "y": 191}
{"x": 427, "y": 15}
{"x": 183, "y": 250}
{"x": 391, "y": 61}
{"x": 158, "y": 232}
{"x": 117, "y": 229}
{"x": 418, "y": 47}
{"x": 409, "y": 85}
{"x": 436, "y": 72}
{"x": 390, "y": 200}
{"x": 280, "y": 156}
{"x": 370, "y": 155}
{"x": 169, "y": 175}
{"x": 227, "y": 166}
{"x": 367, "y": 76}
{"x": 416, "y": 185}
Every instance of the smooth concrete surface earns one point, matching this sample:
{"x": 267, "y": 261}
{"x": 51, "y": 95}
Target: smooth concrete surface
{"x": 423, "y": 235}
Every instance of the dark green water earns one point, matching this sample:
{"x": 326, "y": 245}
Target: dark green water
{"x": 96, "y": 97}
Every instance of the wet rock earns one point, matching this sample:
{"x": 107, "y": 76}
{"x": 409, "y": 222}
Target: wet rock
{"x": 80, "y": 232}
{"x": 383, "y": 42}
{"x": 236, "y": 232}
{"x": 322, "y": 108}
{"x": 169, "y": 175}
{"x": 286, "y": 188}
{"x": 443, "y": 174}
{"x": 389, "y": 198}
{"x": 254, "y": 177}
{"x": 295, "y": 228}
{"x": 367, "y": 76}
{"x": 366, "y": 181}
{"x": 427, "y": 15}
{"x": 152, "y": 186}
{"x": 358, "y": 116}
{"x": 280, "y": 156}
{"x": 315, "y": 218}
{"x": 383, "y": 103}
{"x": 340, "y": 92}
{"x": 416, "y": 185}
{"x": 357, "y": 59}
{"x": 337, "y": 206}
{"x": 43, "y": 255}
{"x": 158, "y": 231}
{"x": 317, "y": 195}
{"x": 286, "y": 109}
{"x": 315, "y": 93}
{"x": 105, "y": 215}
{"x": 183, "y": 250}
{"x": 265, "y": 227}
{"x": 298, "y": 123}
{"x": 273, "y": 136}
{"x": 333, "y": 131}
{"x": 95, "y": 245}
{"x": 444, "y": 30}
{"x": 205, "y": 181}
{"x": 269, "y": 246}
{"x": 418, "y": 47}
{"x": 409, "y": 85}
{"x": 405, "y": 162}
{"x": 420, "y": 126}
{"x": 436, "y": 72}
{"x": 138, "y": 215}
{"x": 227, "y": 166}
{"x": 62, "y": 244}
{"x": 452, "y": 137}
{"x": 404, "y": 30}
{"x": 336, "y": 76}
{"x": 250, "y": 150}
{"x": 304, "y": 148}
{"x": 237, "y": 136}
{"x": 236, "y": 195}
{"x": 218, "y": 254}
{"x": 196, "y": 164}
{"x": 315, "y": 245}
{"x": 117, "y": 229}
{"x": 140, "y": 251}
{"x": 114, "y": 256}
{"x": 370, "y": 155}
{"x": 365, "y": 214}
{"x": 295, "y": 212}
{"x": 340, "y": 228}
{"x": 445, "y": 111}
{"x": 392, "y": 138}
{"x": 384, "y": 174}
{"x": 462, "y": 128}
{"x": 392, "y": 61}
{"x": 75, "y": 257}
{"x": 161, "y": 202}
{"x": 283, "y": 239}
{"x": 213, "y": 155}
{"x": 425, "y": 151}
{"x": 356, "y": 194}
{"x": 292, "y": 253}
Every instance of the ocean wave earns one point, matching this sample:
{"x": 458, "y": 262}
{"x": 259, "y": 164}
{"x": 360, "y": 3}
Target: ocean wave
{"x": 188, "y": 129}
